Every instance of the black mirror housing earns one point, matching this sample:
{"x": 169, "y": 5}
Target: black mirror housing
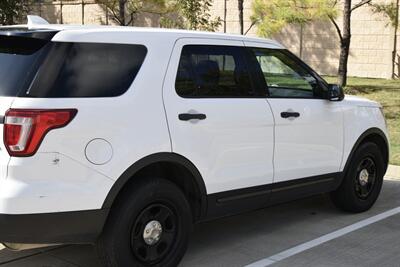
{"x": 335, "y": 93}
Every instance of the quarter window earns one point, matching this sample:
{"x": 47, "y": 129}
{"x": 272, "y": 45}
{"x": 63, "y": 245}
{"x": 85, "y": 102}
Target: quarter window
{"x": 284, "y": 76}
{"x": 213, "y": 71}
{"x": 87, "y": 70}
{"x": 19, "y": 61}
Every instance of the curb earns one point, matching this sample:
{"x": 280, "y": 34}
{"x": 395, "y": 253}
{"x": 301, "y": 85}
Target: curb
{"x": 393, "y": 171}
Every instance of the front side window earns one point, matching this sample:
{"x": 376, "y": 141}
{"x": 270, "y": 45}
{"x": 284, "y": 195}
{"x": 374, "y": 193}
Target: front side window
{"x": 213, "y": 71}
{"x": 284, "y": 76}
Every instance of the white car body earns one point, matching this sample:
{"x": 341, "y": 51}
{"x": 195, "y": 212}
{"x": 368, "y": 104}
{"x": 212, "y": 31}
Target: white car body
{"x": 243, "y": 143}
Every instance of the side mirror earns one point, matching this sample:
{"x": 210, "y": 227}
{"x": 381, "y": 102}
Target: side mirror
{"x": 335, "y": 93}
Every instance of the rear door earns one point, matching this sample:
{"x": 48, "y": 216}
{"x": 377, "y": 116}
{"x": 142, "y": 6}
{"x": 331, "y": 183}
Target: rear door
{"x": 308, "y": 128}
{"x": 216, "y": 118}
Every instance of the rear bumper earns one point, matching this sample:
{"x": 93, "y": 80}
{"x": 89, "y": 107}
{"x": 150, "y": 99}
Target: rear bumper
{"x": 53, "y": 228}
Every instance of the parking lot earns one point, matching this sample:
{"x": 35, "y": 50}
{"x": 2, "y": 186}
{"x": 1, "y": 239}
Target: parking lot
{"x": 292, "y": 234}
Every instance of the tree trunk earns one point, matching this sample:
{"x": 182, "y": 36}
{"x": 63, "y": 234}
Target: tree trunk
{"x": 394, "y": 53}
{"x": 301, "y": 41}
{"x": 225, "y": 13}
{"x": 122, "y": 12}
{"x": 240, "y": 7}
{"x": 345, "y": 44}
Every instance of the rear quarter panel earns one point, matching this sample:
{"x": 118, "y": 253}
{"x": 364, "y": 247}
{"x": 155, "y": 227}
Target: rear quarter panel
{"x": 134, "y": 123}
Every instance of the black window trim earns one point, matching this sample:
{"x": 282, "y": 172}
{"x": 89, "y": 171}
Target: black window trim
{"x": 258, "y": 94}
{"x": 261, "y": 81}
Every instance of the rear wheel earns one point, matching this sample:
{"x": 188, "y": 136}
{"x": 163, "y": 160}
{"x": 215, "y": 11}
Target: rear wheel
{"x": 149, "y": 226}
{"x": 363, "y": 180}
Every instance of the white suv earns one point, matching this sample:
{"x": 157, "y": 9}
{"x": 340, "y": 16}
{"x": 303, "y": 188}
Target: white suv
{"x": 125, "y": 137}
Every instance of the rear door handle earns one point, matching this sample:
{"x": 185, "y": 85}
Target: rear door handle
{"x": 289, "y": 114}
{"x": 189, "y": 116}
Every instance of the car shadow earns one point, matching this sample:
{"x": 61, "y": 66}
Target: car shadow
{"x": 232, "y": 241}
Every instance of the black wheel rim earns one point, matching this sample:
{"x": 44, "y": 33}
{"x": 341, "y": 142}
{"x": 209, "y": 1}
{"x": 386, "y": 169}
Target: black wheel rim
{"x": 365, "y": 178}
{"x": 146, "y": 253}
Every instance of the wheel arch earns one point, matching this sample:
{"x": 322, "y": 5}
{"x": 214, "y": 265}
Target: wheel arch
{"x": 167, "y": 165}
{"x": 376, "y": 136}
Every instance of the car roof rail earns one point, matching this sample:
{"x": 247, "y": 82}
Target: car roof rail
{"x": 34, "y": 20}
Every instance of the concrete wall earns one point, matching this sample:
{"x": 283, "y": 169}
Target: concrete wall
{"x": 371, "y": 47}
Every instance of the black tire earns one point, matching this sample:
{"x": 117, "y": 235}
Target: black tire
{"x": 122, "y": 242}
{"x": 358, "y": 192}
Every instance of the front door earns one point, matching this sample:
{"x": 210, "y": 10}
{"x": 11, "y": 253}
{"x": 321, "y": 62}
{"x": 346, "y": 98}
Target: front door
{"x": 308, "y": 128}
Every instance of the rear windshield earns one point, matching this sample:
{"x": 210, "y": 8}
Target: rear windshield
{"x": 19, "y": 60}
{"x": 55, "y": 70}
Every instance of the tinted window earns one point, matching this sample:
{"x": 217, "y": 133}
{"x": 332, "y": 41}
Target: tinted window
{"x": 284, "y": 76}
{"x": 213, "y": 71}
{"x": 87, "y": 70}
{"x": 19, "y": 61}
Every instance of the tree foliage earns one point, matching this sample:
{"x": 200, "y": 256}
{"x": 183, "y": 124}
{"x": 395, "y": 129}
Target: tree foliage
{"x": 389, "y": 10}
{"x": 272, "y": 15}
{"x": 13, "y": 11}
{"x": 125, "y": 12}
{"x": 187, "y": 14}
{"x": 191, "y": 14}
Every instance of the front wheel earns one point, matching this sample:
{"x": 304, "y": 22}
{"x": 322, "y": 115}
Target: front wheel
{"x": 149, "y": 226}
{"x": 363, "y": 180}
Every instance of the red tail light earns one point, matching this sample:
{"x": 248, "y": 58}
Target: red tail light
{"x": 24, "y": 129}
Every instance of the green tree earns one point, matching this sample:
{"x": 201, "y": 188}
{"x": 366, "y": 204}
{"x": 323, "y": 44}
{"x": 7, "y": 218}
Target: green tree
{"x": 391, "y": 11}
{"x": 272, "y": 15}
{"x": 190, "y": 14}
{"x": 125, "y": 12}
{"x": 344, "y": 34}
{"x": 13, "y": 11}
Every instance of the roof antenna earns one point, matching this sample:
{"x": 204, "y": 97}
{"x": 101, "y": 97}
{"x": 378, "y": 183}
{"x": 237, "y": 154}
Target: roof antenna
{"x": 36, "y": 20}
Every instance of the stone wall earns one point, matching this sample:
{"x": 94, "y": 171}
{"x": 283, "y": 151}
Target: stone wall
{"x": 86, "y": 12}
{"x": 371, "y": 48}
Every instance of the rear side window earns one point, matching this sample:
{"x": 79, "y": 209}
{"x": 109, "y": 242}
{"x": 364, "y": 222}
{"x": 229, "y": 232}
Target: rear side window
{"x": 19, "y": 60}
{"x": 213, "y": 71}
{"x": 87, "y": 70}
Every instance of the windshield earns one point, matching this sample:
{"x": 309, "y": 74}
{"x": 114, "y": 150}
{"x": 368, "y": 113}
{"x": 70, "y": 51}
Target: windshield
{"x": 19, "y": 61}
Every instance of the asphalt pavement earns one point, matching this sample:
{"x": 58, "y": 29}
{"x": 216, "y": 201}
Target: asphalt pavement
{"x": 254, "y": 238}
